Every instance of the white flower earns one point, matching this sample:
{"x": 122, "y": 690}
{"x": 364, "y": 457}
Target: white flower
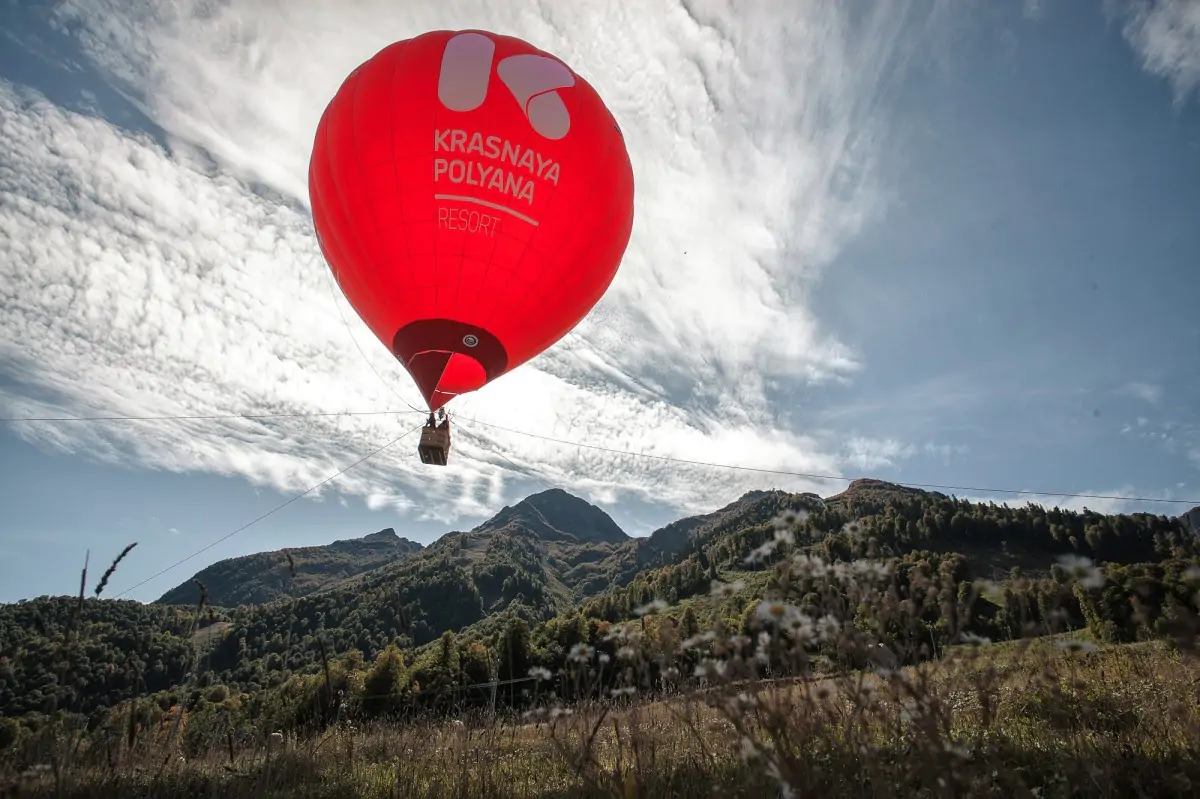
{"x": 761, "y": 553}
{"x": 1082, "y": 569}
{"x": 789, "y": 519}
{"x": 652, "y": 607}
{"x": 748, "y": 751}
{"x": 720, "y": 589}
{"x": 809, "y": 565}
{"x": 871, "y": 569}
{"x": 540, "y": 673}
{"x": 697, "y": 640}
{"x": 709, "y": 668}
{"x": 828, "y": 628}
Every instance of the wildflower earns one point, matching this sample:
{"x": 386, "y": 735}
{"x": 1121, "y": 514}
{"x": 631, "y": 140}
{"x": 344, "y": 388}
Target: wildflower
{"x": 785, "y": 536}
{"x": 1082, "y": 569}
{"x": 709, "y": 669}
{"x": 628, "y": 690}
{"x": 720, "y": 589}
{"x": 774, "y": 611}
{"x": 809, "y": 564}
{"x": 972, "y": 639}
{"x": 828, "y": 628}
{"x": 540, "y": 673}
{"x": 1192, "y": 575}
{"x": 561, "y": 711}
{"x": 652, "y": 607}
{"x": 871, "y": 569}
{"x": 748, "y": 750}
{"x": 581, "y": 653}
{"x": 958, "y": 750}
{"x": 696, "y": 640}
{"x": 853, "y": 529}
{"x": 627, "y": 653}
{"x": 604, "y": 658}
{"x": 785, "y": 788}
{"x": 790, "y": 518}
{"x": 761, "y": 553}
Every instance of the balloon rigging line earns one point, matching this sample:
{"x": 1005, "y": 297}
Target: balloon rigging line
{"x": 811, "y": 476}
{"x": 600, "y": 448}
{"x": 273, "y": 510}
{"x": 357, "y": 346}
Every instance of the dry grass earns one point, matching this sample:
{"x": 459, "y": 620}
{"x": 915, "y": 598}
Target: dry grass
{"x": 1115, "y": 722}
{"x": 1045, "y": 717}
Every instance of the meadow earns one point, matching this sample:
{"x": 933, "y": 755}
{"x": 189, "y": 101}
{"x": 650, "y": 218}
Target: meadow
{"x": 840, "y": 678}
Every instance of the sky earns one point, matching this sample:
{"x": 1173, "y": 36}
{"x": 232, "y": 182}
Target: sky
{"x": 945, "y": 243}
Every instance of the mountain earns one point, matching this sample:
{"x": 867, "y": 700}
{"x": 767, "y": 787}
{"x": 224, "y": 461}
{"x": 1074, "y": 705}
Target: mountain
{"x": 555, "y": 515}
{"x": 267, "y": 576}
{"x": 538, "y": 556}
{"x": 1191, "y": 521}
{"x": 557, "y": 564}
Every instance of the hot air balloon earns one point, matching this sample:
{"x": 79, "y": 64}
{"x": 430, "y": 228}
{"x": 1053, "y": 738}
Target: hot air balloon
{"x": 473, "y": 197}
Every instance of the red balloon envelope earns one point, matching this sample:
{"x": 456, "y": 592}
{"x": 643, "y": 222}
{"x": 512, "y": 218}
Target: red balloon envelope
{"x": 474, "y": 198}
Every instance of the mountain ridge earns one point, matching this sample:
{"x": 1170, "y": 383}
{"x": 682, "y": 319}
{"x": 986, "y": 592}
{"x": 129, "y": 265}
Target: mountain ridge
{"x": 267, "y": 576}
{"x": 521, "y": 578}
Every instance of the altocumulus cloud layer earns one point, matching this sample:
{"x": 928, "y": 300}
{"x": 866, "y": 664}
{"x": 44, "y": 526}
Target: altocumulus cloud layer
{"x": 138, "y": 278}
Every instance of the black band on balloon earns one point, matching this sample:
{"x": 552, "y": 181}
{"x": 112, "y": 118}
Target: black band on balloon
{"x": 435, "y": 340}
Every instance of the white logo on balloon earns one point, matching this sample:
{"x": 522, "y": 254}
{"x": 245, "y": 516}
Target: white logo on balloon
{"x": 533, "y": 80}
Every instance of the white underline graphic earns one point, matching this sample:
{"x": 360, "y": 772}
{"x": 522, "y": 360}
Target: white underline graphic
{"x": 496, "y": 206}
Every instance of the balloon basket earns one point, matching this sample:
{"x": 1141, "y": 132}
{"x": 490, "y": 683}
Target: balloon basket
{"x": 435, "y": 445}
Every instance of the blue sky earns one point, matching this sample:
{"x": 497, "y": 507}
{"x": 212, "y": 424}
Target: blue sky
{"x": 957, "y": 246}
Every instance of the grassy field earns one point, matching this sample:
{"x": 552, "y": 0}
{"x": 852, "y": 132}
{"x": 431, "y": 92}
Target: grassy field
{"x": 1040, "y": 718}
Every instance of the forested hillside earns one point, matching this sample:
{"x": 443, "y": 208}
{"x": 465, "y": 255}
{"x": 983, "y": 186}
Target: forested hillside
{"x": 553, "y": 572}
{"x": 268, "y": 576}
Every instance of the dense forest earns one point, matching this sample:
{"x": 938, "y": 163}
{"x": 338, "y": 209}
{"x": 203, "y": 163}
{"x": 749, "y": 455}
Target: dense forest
{"x": 553, "y": 576}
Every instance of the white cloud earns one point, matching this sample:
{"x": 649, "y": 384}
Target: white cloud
{"x": 865, "y": 453}
{"x": 1033, "y": 9}
{"x": 1165, "y": 34}
{"x": 1147, "y": 392}
{"x": 945, "y": 451}
{"x": 138, "y": 280}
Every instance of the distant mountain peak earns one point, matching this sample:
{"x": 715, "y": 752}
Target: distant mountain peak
{"x": 554, "y": 514}
{"x": 866, "y": 484}
{"x": 266, "y": 576}
{"x": 386, "y": 534}
{"x": 1191, "y": 520}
